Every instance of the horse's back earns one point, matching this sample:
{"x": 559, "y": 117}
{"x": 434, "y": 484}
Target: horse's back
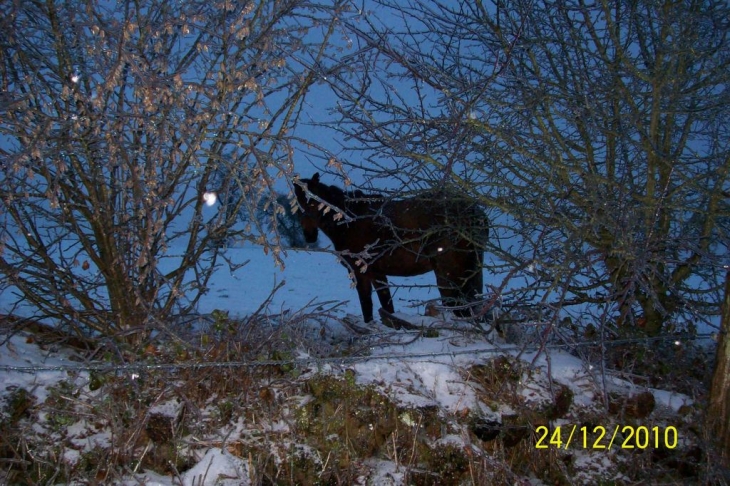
{"x": 436, "y": 215}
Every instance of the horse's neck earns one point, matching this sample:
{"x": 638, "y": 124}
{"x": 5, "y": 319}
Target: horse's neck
{"x": 354, "y": 214}
{"x": 336, "y": 237}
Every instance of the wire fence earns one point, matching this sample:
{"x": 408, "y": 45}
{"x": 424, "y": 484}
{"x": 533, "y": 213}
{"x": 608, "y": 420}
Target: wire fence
{"x": 309, "y": 361}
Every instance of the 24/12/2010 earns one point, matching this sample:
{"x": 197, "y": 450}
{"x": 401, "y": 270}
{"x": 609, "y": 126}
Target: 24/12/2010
{"x": 632, "y": 437}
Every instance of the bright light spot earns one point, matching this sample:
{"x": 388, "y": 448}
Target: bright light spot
{"x": 75, "y": 77}
{"x": 210, "y": 198}
{"x": 440, "y": 249}
{"x": 677, "y": 343}
{"x": 134, "y": 376}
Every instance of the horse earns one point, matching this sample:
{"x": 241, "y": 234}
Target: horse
{"x": 376, "y": 237}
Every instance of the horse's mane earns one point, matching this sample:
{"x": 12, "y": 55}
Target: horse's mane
{"x": 358, "y": 194}
{"x": 352, "y": 200}
{"x": 350, "y": 194}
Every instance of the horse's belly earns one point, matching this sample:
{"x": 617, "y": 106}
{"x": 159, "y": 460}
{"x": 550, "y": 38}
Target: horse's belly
{"x": 402, "y": 263}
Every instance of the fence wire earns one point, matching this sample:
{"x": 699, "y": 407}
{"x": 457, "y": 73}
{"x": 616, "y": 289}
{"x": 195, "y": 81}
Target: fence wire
{"x": 303, "y": 362}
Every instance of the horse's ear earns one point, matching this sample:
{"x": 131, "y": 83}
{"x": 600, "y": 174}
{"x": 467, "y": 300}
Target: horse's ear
{"x": 315, "y": 178}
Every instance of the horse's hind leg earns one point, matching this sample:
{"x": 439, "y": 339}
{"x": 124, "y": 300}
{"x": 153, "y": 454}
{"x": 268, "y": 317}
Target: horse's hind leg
{"x": 472, "y": 290}
{"x": 462, "y": 287}
{"x": 381, "y": 287}
{"x": 451, "y": 294}
{"x": 473, "y": 282}
{"x": 473, "y": 286}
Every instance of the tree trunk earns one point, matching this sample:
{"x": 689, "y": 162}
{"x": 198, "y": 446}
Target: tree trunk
{"x": 718, "y": 412}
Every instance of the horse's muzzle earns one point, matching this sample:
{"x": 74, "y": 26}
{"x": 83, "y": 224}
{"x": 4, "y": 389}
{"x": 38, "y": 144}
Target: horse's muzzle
{"x": 310, "y": 236}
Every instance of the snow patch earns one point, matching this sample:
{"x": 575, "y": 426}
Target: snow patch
{"x": 217, "y": 468}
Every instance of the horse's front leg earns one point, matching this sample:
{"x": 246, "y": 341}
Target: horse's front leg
{"x": 381, "y": 287}
{"x": 364, "y": 286}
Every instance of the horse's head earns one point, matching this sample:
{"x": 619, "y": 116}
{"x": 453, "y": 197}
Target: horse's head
{"x": 309, "y": 206}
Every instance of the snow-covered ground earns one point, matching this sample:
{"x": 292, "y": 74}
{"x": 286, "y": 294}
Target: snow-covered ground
{"x": 309, "y": 276}
{"x": 416, "y": 370}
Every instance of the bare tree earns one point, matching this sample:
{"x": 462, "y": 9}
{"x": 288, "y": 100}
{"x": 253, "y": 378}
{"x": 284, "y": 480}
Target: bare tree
{"x": 718, "y": 409}
{"x": 115, "y": 119}
{"x": 597, "y": 132}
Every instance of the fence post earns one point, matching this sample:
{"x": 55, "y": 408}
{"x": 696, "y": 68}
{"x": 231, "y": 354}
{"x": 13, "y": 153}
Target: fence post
{"x": 718, "y": 412}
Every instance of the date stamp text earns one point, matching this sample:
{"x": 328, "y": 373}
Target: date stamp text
{"x": 606, "y": 438}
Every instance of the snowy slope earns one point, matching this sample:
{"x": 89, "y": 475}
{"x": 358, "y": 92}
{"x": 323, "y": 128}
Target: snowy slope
{"x": 413, "y": 370}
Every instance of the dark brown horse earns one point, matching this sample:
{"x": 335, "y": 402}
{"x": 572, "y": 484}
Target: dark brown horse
{"x": 376, "y": 236}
